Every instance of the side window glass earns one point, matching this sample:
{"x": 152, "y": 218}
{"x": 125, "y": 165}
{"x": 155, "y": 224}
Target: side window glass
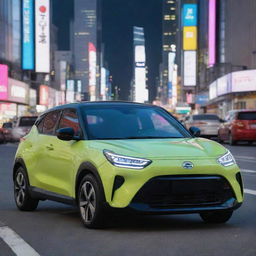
{"x": 50, "y": 122}
{"x": 69, "y": 118}
{"x": 40, "y": 125}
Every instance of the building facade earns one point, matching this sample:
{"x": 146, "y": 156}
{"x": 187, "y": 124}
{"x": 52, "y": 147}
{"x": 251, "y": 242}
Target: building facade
{"x": 86, "y": 46}
{"x": 227, "y": 55}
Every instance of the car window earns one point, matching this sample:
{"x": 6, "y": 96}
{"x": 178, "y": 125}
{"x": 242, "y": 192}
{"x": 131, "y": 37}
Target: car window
{"x": 7, "y": 125}
{"x": 27, "y": 121}
{"x": 247, "y": 115}
{"x": 50, "y": 122}
{"x": 205, "y": 117}
{"x": 130, "y": 122}
{"x": 69, "y": 118}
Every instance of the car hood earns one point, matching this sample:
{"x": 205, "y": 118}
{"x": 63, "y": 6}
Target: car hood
{"x": 192, "y": 148}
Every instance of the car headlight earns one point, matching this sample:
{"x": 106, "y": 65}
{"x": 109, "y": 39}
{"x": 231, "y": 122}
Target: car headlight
{"x": 126, "y": 161}
{"x": 227, "y": 159}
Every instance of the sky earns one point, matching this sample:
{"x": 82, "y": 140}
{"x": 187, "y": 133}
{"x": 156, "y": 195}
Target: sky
{"x": 118, "y": 19}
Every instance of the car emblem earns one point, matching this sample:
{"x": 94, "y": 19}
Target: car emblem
{"x": 187, "y": 165}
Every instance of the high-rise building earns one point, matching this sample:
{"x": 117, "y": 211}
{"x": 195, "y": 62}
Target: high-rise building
{"x": 86, "y": 46}
{"x": 227, "y": 55}
{"x": 169, "y": 39}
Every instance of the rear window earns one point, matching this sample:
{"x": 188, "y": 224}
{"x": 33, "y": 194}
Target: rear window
{"x": 247, "y": 116}
{"x": 27, "y": 121}
{"x": 205, "y": 117}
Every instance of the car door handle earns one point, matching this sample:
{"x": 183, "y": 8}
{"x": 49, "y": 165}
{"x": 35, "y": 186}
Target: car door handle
{"x": 50, "y": 147}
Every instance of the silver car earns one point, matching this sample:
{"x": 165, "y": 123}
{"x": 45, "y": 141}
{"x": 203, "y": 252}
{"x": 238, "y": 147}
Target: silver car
{"x": 22, "y": 127}
{"x": 207, "y": 123}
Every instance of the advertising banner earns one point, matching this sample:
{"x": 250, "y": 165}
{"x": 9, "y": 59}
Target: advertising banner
{"x": 18, "y": 91}
{"x": 32, "y": 97}
{"x": 70, "y": 92}
{"x": 189, "y": 73}
{"x": 189, "y": 38}
{"x": 189, "y": 15}
{"x": 44, "y": 95}
{"x": 42, "y": 38}
{"x": 28, "y": 35}
{"x": 244, "y": 81}
{"x": 3, "y": 82}
{"x": 92, "y": 71}
{"x": 212, "y": 33}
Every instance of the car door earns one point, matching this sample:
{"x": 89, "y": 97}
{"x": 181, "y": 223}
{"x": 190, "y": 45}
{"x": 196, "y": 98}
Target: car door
{"x": 43, "y": 174}
{"x": 63, "y": 161}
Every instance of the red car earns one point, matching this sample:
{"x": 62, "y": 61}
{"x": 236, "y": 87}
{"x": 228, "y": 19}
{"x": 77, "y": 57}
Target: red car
{"x": 240, "y": 125}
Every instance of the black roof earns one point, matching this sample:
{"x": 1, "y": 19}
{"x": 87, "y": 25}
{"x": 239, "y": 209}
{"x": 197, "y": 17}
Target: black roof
{"x": 93, "y": 103}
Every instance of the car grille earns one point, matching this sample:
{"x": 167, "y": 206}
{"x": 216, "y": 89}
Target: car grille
{"x": 184, "y": 191}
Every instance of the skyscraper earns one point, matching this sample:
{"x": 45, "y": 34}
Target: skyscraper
{"x": 86, "y": 46}
{"x": 169, "y": 39}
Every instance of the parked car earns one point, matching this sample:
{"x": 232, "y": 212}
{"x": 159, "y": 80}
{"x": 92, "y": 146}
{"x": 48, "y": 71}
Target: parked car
{"x": 240, "y": 125}
{"x": 112, "y": 155}
{"x": 207, "y": 123}
{"x": 22, "y": 127}
{"x": 7, "y": 131}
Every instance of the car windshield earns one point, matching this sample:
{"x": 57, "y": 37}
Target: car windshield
{"x": 206, "y": 117}
{"x": 27, "y": 121}
{"x": 247, "y": 116}
{"x": 130, "y": 122}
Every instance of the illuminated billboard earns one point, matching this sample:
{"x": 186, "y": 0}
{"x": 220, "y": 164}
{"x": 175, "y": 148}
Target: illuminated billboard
{"x": 212, "y": 33}
{"x": 189, "y": 15}
{"x": 3, "y": 82}
{"x": 28, "y": 34}
{"x": 92, "y": 71}
{"x": 189, "y": 68}
{"x": 44, "y": 95}
{"x": 190, "y": 38}
{"x": 42, "y": 37}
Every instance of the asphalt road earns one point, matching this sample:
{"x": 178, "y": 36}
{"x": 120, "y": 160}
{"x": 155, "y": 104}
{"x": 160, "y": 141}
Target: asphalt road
{"x": 55, "y": 229}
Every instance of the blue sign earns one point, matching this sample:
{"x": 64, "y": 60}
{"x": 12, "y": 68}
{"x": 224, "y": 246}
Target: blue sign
{"x": 28, "y": 54}
{"x": 189, "y": 15}
{"x": 169, "y": 90}
{"x": 202, "y": 99}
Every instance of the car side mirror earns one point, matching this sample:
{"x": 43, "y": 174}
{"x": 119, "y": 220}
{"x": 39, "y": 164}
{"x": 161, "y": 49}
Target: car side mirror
{"x": 66, "y": 134}
{"x": 222, "y": 120}
{"x": 195, "y": 131}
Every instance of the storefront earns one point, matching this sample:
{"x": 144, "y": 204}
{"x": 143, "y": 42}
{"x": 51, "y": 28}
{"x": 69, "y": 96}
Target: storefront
{"x": 14, "y": 96}
{"x": 236, "y": 90}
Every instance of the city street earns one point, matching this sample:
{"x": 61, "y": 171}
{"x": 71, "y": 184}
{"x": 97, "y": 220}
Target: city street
{"x": 55, "y": 229}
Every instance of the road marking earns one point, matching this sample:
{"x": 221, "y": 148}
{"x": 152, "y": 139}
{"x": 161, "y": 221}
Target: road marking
{"x": 250, "y": 191}
{"x": 248, "y": 171}
{"x": 16, "y": 243}
{"x": 246, "y": 157}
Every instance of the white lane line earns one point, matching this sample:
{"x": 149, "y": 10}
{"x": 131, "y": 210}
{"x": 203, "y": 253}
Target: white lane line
{"x": 16, "y": 243}
{"x": 248, "y": 171}
{"x": 250, "y": 191}
{"x": 246, "y": 157}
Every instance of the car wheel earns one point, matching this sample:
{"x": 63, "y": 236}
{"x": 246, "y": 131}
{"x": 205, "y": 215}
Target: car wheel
{"x": 91, "y": 202}
{"x": 216, "y": 216}
{"x": 231, "y": 140}
{"x": 219, "y": 138}
{"x": 22, "y": 197}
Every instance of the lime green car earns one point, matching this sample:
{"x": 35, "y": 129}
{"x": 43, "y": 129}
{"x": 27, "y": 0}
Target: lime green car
{"x": 108, "y": 155}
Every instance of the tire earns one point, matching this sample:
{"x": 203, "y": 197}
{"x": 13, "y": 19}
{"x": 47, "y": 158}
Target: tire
{"x": 231, "y": 140}
{"x": 216, "y": 216}
{"x": 219, "y": 139}
{"x": 22, "y": 197}
{"x": 91, "y": 202}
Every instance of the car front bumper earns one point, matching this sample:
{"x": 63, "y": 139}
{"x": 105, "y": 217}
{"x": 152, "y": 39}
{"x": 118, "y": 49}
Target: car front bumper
{"x": 121, "y": 186}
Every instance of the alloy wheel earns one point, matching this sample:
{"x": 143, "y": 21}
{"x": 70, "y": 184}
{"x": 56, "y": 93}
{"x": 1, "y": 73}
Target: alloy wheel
{"x": 20, "y": 188}
{"x": 87, "y": 201}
